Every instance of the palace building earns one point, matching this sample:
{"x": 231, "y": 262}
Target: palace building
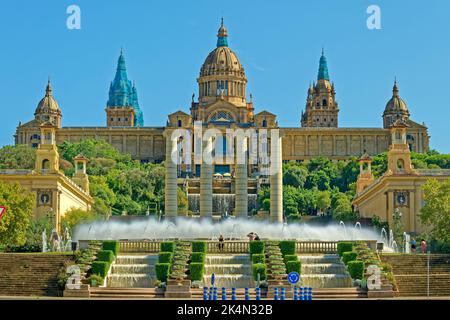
{"x": 55, "y": 193}
{"x": 222, "y": 104}
{"x": 399, "y": 188}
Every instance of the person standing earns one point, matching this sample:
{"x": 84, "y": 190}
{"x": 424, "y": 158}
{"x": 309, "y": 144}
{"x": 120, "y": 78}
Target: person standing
{"x": 413, "y": 245}
{"x": 221, "y": 244}
{"x": 423, "y": 246}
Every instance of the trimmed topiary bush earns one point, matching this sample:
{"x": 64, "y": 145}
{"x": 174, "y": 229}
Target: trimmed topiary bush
{"x": 162, "y": 271}
{"x": 356, "y": 269}
{"x": 256, "y": 247}
{"x": 105, "y": 255}
{"x": 198, "y": 257}
{"x": 100, "y": 267}
{"x": 167, "y": 246}
{"x": 344, "y": 247}
{"x": 260, "y": 268}
{"x": 112, "y": 245}
{"x": 165, "y": 257}
{"x": 196, "y": 270}
{"x": 287, "y": 247}
{"x": 199, "y": 246}
{"x": 95, "y": 280}
{"x": 293, "y": 266}
{"x": 349, "y": 256}
{"x": 258, "y": 258}
{"x": 290, "y": 257}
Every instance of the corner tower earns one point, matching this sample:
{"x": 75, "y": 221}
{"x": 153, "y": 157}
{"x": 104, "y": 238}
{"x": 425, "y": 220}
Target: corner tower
{"x": 48, "y": 109}
{"x": 321, "y": 107}
{"x": 122, "y": 108}
{"x": 396, "y": 109}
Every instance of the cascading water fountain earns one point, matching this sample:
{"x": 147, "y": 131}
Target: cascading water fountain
{"x": 394, "y": 246}
{"x": 133, "y": 271}
{"x": 324, "y": 271}
{"x": 230, "y": 270}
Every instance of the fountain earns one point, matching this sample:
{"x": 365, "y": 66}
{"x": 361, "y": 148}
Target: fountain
{"x": 394, "y": 246}
{"x": 341, "y": 223}
{"x": 384, "y": 237}
{"x": 44, "y": 241}
{"x": 406, "y": 243}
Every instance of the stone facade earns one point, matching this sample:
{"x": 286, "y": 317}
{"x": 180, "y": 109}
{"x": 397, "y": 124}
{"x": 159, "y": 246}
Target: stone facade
{"x": 399, "y": 188}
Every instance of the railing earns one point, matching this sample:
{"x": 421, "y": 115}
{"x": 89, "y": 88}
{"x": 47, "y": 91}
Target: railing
{"x": 139, "y": 246}
{"x": 316, "y": 247}
{"x": 235, "y": 246}
{"x": 228, "y": 247}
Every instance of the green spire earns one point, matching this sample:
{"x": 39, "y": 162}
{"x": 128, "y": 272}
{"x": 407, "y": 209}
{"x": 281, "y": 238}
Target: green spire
{"x": 323, "y": 68}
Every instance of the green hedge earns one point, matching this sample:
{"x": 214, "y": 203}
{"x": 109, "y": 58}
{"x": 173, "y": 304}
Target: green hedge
{"x": 290, "y": 257}
{"x": 162, "y": 271}
{"x": 344, "y": 247}
{"x": 258, "y": 258}
{"x": 100, "y": 267}
{"x": 105, "y": 255}
{"x": 198, "y": 257}
{"x": 261, "y": 269}
{"x": 349, "y": 256}
{"x": 293, "y": 266}
{"x": 196, "y": 270}
{"x": 112, "y": 245}
{"x": 94, "y": 277}
{"x": 167, "y": 246}
{"x": 165, "y": 257}
{"x": 256, "y": 247}
{"x": 199, "y": 246}
{"x": 356, "y": 269}
{"x": 287, "y": 247}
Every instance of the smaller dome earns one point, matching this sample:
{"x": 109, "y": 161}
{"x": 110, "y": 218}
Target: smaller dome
{"x": 48, "y": 104}
{"x": 396, "y": 104}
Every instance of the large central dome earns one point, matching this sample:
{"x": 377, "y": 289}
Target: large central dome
{"x": 222, "y": 74}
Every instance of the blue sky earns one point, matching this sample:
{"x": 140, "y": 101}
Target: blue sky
{"x": 278, "y": 42}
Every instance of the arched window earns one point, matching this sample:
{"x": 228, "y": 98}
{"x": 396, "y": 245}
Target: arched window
{"x": 264, "y": 123}
{"x": 400, "y": 164}
{"x": 324, "y": 102}
{"x": 180, "y": 123}
{"x": 45, "y": 165}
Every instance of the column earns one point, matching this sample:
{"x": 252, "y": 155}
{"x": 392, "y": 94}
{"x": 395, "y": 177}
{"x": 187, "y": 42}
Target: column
{"x": 206, "y": 175}
{"x": 412, "y": 211}
{"x": 241, "y": 200}
{"x": 390, "y": 209}
{"x": 170, "y": 192}
{"x": 276, "y": 178}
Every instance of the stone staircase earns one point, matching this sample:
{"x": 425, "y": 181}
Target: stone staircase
{"x": 127, "y": 293}
{"x": 30, "y": 274}
{"x": 230, "y": 270}
{"x": 133, "y": 271}
{"x": 410, "y": 272}
{"x": 324, "y": 271}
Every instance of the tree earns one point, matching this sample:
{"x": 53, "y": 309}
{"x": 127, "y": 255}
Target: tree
{"x": 182, "y": 200}
{"x": 342, "y": 207}
{"x": 17, "y": 157}
{"x": 19, "y": 209}
{"x": 74, "y": 217}
{"x": 323, "y": 201}
{"x": 436, "y": 211}
{"x": 398, "y": 229}
{"x": 294, "y": 174}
